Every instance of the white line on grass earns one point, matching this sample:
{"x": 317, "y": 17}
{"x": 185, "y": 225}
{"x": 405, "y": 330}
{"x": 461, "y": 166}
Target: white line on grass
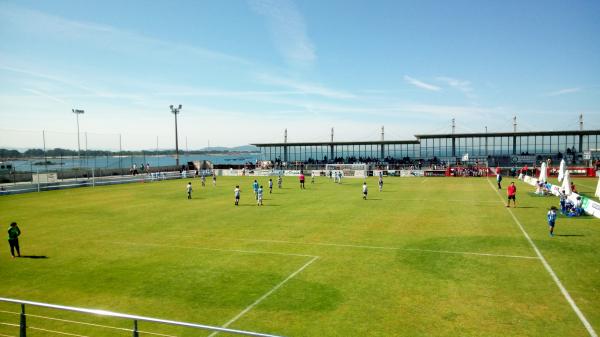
{"x": 453, "y": 200}
{"x": 588, "y": 186}
{"x": 203, "y": 248}
{"x": 562, "y": 288}
{"x": 255, "y": 303}
{"x": 389, "y": 248}
{"x": 248, "y": 308}
{"x": 470, "y": 253}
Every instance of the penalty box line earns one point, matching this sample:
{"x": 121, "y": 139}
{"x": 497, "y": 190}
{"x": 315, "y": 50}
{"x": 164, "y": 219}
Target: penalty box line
{"x": 263, "y": 297}
{"x": 204, "y": 248}
{"x": 549, "y": 269}
{"x": 389, "y": 248}
{"x": 260, "y": 299}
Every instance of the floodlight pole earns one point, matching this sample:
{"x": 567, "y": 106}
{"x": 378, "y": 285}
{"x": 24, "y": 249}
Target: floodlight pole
{"x": 78, "y": 112}
{"x": 175, "y": 111}
{"x": 45, "y": 156}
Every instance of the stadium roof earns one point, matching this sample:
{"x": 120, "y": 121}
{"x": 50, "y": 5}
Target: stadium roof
{"x": 505, "y": 134}
{"x": 444, "y": 135}
{"x": 377, "y": 142}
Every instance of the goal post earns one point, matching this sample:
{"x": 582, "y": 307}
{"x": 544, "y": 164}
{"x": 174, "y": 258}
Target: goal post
{"x": 347, "y": 170}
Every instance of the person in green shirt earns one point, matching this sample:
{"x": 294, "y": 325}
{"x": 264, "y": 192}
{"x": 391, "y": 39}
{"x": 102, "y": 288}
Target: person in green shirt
{"x": 13, "y": 239}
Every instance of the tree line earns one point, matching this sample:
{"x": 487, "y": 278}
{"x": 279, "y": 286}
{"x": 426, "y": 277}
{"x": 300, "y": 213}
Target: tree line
{"x": 58, "y": 152}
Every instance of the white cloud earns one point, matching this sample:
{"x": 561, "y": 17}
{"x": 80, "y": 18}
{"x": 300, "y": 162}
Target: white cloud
{"x": 563, "y": 92}
{"x": 304, "y": 87}
{"x": 49, "y": 77}
{"x": 461, "y": 85}
{"x": 104, "y": 36}
{"x": 421, "y": 84}
{"x": 45, "y": 95}
{"x": 241, "y": 94}
{"x": 287, "y": 28}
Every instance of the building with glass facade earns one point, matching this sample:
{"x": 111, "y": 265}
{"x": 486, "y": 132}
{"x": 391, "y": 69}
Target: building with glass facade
{"x": 441, "y": 146}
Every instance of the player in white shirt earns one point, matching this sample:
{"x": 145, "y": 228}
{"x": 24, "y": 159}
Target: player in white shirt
{"x": 236, "y": 193}
{"x": 312, "y": 177}
{"x": 270, "y": 186}
{"x": 365, "y": 190}
{"x": 189, "y": 190}
{"x": 259, "y": 195}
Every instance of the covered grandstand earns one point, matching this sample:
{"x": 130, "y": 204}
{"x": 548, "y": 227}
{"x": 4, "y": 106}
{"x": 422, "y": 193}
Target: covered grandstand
{"x": 501, "y": 148}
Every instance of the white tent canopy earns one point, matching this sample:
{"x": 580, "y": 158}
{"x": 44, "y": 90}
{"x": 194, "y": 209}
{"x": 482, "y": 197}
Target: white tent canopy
{"x": 566, "y": 184}
{"x": 561, "y": 170}
{"x": 543, "y": 173}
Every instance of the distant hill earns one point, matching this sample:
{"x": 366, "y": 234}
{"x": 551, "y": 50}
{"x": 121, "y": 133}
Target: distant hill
{"x": 247, "y": 148}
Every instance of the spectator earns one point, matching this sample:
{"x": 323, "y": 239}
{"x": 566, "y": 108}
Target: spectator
{"x": 13, "y": 239}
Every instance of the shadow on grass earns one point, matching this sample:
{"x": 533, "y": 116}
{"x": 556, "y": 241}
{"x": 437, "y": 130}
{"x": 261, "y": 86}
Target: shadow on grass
{"x": 525, "y": 207}
{"x": 569, "y": 235}
{"x": 254, "y": 205}
{"x": 33, "y": 256}
{"x": 374, "y": 199}
{"x": 578, "y": 217}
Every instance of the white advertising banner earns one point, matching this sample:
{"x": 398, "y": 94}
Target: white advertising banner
{"x": 412, "y": 173}
{"x": 589, "y": 206}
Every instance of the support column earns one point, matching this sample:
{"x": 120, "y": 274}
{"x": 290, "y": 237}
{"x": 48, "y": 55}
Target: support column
{"x": 453, "y": 147}
{"x": 23, "y": 322}
{"x": 331, "y": 152}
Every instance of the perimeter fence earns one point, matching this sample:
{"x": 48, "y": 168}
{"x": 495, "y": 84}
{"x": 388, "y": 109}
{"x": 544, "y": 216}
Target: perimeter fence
{"x": 20, "y": 318}
{"x": 79, "y": 156}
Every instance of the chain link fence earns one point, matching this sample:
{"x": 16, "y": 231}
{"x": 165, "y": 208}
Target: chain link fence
{"x": 33, "y": 157}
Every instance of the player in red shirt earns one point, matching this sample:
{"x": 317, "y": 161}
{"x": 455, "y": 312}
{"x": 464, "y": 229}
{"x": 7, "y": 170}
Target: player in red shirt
{"x": 301, "y": 177}
{"x": 512, "y": 194}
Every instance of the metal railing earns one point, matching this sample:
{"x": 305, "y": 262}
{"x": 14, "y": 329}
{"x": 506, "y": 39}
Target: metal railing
{"x": 134, "y": 319}
{"x": 91, "y": 181}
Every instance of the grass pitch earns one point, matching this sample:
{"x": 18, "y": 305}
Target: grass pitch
{"x": 425, "y": 257}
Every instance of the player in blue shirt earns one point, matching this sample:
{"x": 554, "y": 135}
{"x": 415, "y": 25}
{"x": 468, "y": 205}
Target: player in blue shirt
{"x": 255, "y": 188}
{"x": 551, "y": 220}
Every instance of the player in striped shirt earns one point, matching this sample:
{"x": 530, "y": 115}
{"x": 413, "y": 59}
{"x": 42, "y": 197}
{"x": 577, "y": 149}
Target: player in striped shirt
{"x": 551, "y": 220}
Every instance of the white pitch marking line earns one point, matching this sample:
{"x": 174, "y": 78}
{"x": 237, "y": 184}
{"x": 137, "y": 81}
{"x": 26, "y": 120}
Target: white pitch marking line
{"x": 588, "y": 186}
{"x": 208, "y": 249}
{"x": 562, "y": 288}
{"x": 470, "y": 253}
{"x": 389, "y": 248}
{"x": 453, "y": 200}
{"x": 279, "y": 285}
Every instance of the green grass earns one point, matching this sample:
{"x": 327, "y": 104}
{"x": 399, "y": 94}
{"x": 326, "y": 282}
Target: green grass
{"x": 384, "y": 266}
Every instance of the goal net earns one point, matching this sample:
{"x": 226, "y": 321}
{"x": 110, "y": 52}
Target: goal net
{"x": 347, "y": 170}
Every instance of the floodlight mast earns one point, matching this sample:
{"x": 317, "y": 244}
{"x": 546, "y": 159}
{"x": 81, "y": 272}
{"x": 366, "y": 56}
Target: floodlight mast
{"x": 78, "y": 112}
{"x": 175, "y": 111}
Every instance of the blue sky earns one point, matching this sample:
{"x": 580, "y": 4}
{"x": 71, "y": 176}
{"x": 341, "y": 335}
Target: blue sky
{"x": 246, "y": 70}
